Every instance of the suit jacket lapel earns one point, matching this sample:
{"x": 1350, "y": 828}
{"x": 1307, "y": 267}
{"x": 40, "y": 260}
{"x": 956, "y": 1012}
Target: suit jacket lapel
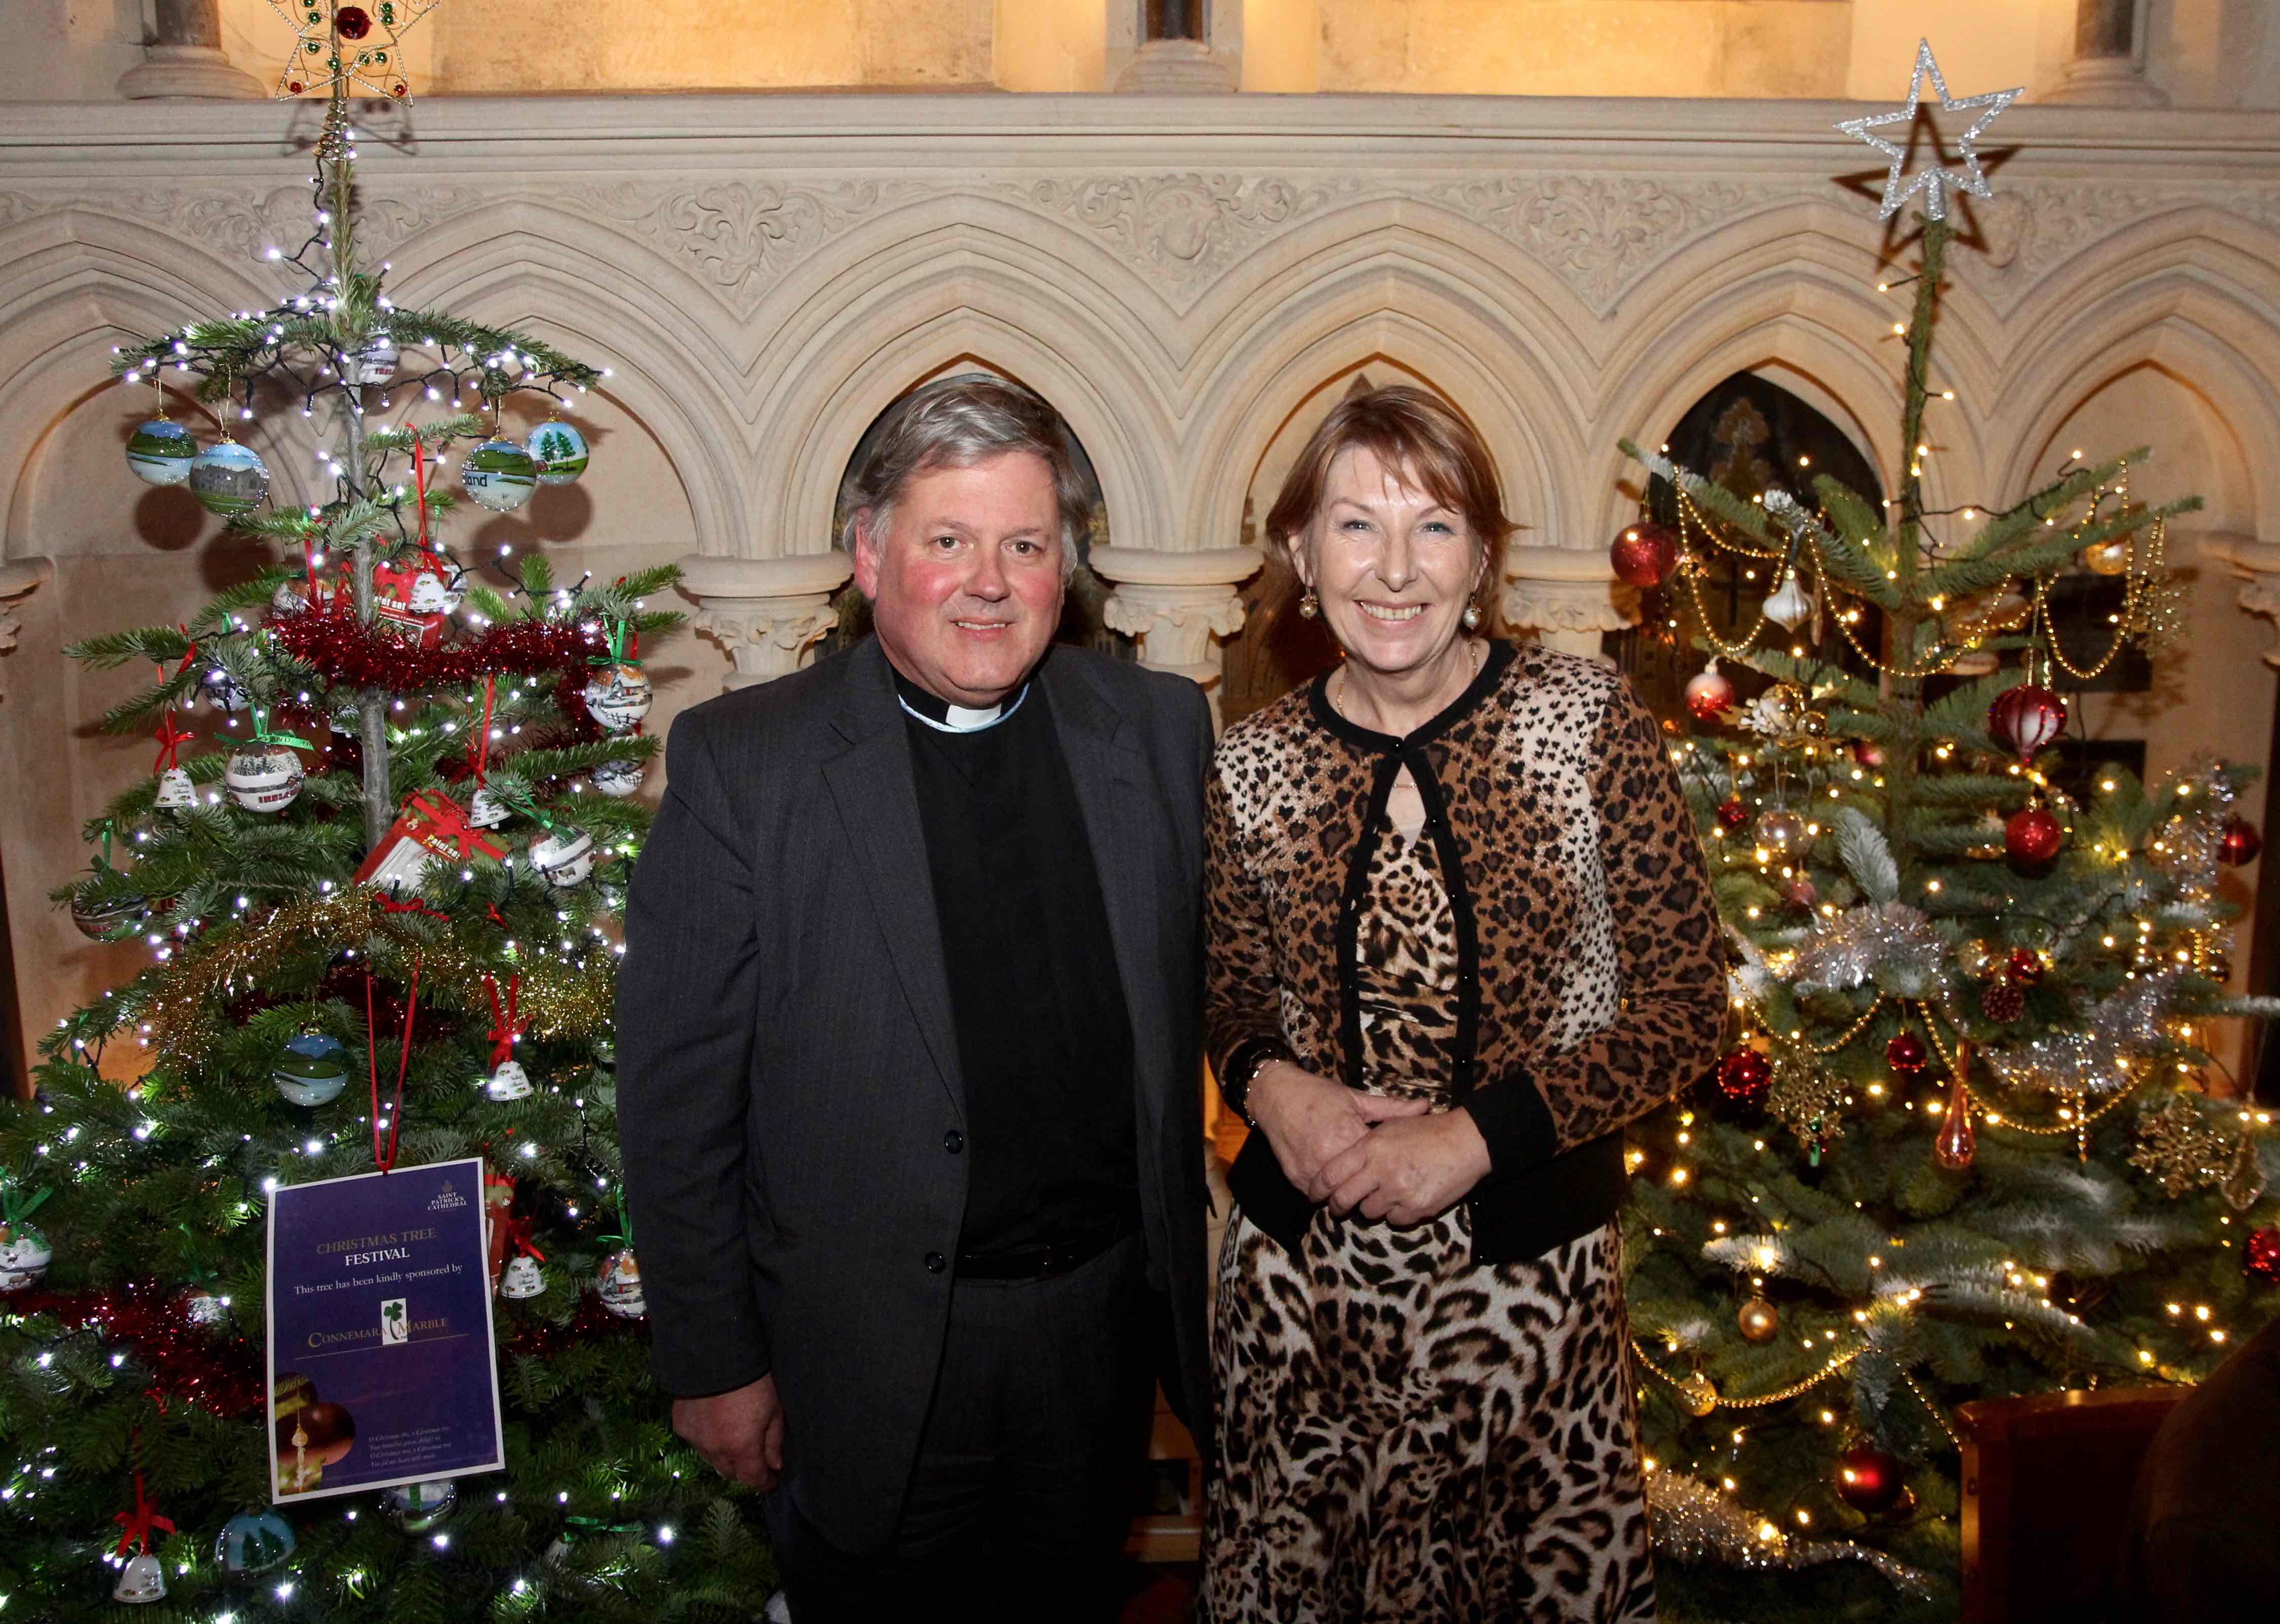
{"x": 1115, "y": 793}
{"x": 872, "y": 786}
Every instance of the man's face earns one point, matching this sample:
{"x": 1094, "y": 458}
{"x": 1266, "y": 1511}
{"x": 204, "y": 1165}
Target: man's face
{"x": 965, "y": 581}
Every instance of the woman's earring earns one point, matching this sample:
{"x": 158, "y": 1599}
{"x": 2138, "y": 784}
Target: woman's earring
{"x": 1472, "y": 617}
{"x": 1310, "y": 606}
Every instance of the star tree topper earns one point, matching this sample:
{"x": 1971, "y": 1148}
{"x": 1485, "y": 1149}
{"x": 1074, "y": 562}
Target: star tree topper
{"x": 1934, "y": 181}
{"x": 355, "y": 47}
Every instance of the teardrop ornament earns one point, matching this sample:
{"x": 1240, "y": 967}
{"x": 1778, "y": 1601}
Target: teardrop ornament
{"x": 1957, "y": 1145}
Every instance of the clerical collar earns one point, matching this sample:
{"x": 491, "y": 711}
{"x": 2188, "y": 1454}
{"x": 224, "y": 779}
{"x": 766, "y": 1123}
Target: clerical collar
{"x": 944, "y": 717}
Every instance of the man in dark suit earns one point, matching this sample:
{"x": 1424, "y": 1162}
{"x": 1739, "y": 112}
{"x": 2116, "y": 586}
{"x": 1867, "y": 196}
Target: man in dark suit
{"x": 908, "y": 1055}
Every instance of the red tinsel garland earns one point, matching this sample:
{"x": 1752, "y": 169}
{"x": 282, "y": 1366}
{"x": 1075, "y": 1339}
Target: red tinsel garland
{"x": 345, "y": 651}
{"x": 223, "y": 1375}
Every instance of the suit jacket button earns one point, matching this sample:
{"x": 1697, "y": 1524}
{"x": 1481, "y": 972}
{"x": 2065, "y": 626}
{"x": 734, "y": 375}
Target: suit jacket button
{"x": 935, "y": 1262}
{"x": 954, "y": 1141}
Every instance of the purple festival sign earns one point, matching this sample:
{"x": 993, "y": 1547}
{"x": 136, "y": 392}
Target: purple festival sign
{"x": 381, "y": 1364}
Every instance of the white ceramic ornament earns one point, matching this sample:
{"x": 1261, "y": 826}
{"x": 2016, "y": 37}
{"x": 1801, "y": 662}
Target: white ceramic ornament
{"x": 24, "y": 1258}
{"x": 559, "y": 451}
{"x": 431, "y": 595}
{"x": 619, "y": 698}
{"x": 486, "y": 811}
{"x": 521, "y": 1278}
{"x": 499, "y": 476}
{"x": 176, "y": 792}
{"x": 371, "y": 362}
{"x": 563, "y": 858}
{"x": 617, "y": 779}
{"x": 228, "y": 479}
{"x": 160, "y": 452}
{"x": 1789, "y": 605}
{"x": 508, "y": 1081}
{"x": 620, "y": 1285}
{"x": 262, "y": 778}
{"x": 140, "y": 1581}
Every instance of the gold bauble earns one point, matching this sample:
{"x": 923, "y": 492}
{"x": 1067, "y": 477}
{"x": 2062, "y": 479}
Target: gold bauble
{"x": 1976, "y": 959}
{"x": 1813, "y": 725}
{"x": 1760, "y": 1321}
{"x": 1698, "y": 1395}
{"x": 2108, "y": 558}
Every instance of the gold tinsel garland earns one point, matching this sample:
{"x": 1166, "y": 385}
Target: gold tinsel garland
{"x": 554, "y": 998}
{"x": 1693, "y": 1522}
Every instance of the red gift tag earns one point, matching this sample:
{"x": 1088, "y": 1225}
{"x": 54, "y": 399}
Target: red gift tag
{"x": 430, "y": 827}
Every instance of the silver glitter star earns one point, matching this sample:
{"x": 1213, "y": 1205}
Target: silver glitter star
{"x": 1933, "y": 182}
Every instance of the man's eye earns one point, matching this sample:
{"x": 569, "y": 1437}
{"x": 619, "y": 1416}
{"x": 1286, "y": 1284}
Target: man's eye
{"x": 945, "y": 541}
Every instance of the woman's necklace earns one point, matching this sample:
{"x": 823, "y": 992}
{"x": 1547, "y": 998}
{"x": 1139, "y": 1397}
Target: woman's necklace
{"x": 1474, "y": 661}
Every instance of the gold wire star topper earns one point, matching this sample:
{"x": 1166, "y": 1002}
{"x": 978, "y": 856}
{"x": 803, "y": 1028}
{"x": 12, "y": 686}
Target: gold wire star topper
{"x": 349, "y": 46}
{"x": 1934, "y": 181}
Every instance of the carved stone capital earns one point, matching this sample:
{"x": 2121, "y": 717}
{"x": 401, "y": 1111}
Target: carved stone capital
{"x": 2257, "y": 564}
{"x": 1567, "y": 598}
{"x": 1176, "y": 605}
{"x": 766, "y": 614}
{"x": 18, "y": 579}
{"x": 1175, "y": 67}
{"x": 188, "y": 73}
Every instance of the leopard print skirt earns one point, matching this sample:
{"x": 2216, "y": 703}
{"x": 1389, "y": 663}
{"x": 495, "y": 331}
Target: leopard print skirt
{"x": 1407, "y": 1438}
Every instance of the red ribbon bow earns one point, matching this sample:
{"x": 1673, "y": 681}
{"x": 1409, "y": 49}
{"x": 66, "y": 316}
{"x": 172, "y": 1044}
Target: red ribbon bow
{"x": 478, "y": 747}
{"x": 138, "y": 1523}
{"x": 504, "y": 1029}
{"x": 170, "y": 737}
{"x": 447, "y": 819}
{"x": 518, "y": 1231}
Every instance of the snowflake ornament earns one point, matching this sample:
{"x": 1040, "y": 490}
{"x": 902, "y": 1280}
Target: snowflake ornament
{"x": 1935, "y": 180}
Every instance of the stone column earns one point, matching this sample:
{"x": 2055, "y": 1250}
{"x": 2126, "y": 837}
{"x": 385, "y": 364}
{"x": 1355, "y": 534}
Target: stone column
{"x": 184, "y": 60}
{"x": 2257, "y": 564}
{"x": 1177, "y": 605}
{"x": 18, "y": 579}
{"x": 2109, "y": 58}
{"x": 1568, "y": 599}
{"x": 766, "y": 613}
{"x": 1175, "y": 47}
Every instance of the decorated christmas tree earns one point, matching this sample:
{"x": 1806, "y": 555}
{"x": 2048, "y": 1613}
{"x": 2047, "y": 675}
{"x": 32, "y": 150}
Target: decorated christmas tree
{"x": 1959, "y": 1147}
{"x": 378, "y": 869}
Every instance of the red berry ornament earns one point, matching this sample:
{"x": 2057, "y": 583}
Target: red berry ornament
{"x": 2025, "y": 718}
{"x": 2001, "y": 1001}
{"x": 1644, "y": 553}
{"x": 1732, "y": 813}
{"x": 2261, "y": 1257}
{"x": 1905, "y": 1054}
{"x": 2024, "y": 966}
{"x": 1868, "y": 1479}
{"x": 353, "y": 21}
{"x": 2239, "y": 843}
{"x": 1744, "y": 1077}
{"x": 2032, "y": 835}
{"x": 1709, "y": 695}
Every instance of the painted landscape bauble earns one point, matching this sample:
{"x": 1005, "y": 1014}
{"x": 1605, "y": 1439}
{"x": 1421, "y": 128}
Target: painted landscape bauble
{"x": 617, "y": 779}
{"x": 263, "y": 778}
{"x": 619, "y": 698}
{"x": 521, "y": 1279}
{"x": 160, "y": 452}
{"x": 253, "y": 1542}
{"x": 1644, "y": 553}
{"x": 508, "y": 1081}
{"x": 98, "y": 919}
{"x": 418, "y": 1507}
{"x": 24, "y": 1256}
{"x": 563, "y": 859}
{"x": 618, "y": 1284}
{"x": 1709, "y": 694}
{"x": 498, "y": 474}
{"x": 371, "y": 362}
{"x": 2032, "y": 836}
{"x": 560, "y": 452}
{"x": 176, "y": 792}
{"x": 228, "y": 479}
{"x": 312, "y": 1071}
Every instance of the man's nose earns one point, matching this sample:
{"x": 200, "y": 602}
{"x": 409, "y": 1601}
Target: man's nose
{"x": 989, "y": 577}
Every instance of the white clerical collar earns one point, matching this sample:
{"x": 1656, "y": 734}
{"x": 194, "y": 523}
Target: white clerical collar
{"x": 924, "y": 706}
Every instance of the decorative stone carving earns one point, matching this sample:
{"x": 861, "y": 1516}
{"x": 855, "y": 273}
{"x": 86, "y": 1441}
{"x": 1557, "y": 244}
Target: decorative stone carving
{"x": 2257, "y": 564}
{"x": 1568, "y": 598}
{"x": 18, "y": 579}
{"x": 1180, "y": 231}
{"x": 1175, "y": 67}
{"x": 768, "y": 613}
{"x": 1178, "y": 604}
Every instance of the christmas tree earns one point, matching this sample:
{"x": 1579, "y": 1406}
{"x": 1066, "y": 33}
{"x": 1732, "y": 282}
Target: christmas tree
{"x": 382, "y": 901}
{"x": 1959, "y": 1147}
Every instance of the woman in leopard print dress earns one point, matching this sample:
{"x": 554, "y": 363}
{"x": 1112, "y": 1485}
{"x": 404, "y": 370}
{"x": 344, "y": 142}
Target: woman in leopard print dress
{"x": 1459, "y": 934}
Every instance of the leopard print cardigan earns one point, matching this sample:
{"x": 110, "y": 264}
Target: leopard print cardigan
{"x": 1590, "y": 979}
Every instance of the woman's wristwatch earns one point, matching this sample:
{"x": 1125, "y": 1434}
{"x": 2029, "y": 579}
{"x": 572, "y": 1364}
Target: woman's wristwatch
{"x": 1244, "y": 1062}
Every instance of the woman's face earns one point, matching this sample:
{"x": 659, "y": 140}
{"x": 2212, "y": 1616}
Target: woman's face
{"x": 1393, "y": 566}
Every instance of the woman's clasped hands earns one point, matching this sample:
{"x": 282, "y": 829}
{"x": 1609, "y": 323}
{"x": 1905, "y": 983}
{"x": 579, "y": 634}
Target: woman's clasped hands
{"x": 1385, "y": 1158}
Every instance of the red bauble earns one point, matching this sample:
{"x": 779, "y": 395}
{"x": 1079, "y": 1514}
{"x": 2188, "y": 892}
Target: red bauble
{"x": 328, "y": 1427}
{"x": 1800, "y": 892}
{"x": 2025, "y": 718}
{"x": 2032, "y": 835}
{"x": 1905, "y": 1054}
{"x": 1744, "y": 1077}
{"x": 353, "y": 21}
{"x": 2239, "y": 843}
{"x": 2024, "y": 966}
{"x": 1709, "y": 694}
{"x": 1644, "y": 553}
{"x": 1868, "y": 1479}
{"x": 1868, "y": 753}
{"x": 2261, "y": 1256}
{"x": 2001, "y": 1001}
{"x": 1732, "y": 813}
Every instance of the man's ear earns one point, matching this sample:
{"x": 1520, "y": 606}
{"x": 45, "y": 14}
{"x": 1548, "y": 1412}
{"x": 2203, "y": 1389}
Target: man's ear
{"x": 867, "y": 554}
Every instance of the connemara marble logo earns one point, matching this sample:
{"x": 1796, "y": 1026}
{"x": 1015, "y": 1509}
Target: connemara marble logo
{"x": 395, "y": 1324}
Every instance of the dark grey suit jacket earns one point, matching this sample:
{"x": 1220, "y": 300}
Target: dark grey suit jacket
{"x": 788, "y": 1070}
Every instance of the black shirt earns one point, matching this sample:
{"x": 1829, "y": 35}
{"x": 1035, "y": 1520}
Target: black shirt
{"x": 1044, "y": 1039}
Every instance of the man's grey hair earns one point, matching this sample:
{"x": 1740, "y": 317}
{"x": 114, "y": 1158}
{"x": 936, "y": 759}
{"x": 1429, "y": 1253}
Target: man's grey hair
{"x": 955, "y": 423}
